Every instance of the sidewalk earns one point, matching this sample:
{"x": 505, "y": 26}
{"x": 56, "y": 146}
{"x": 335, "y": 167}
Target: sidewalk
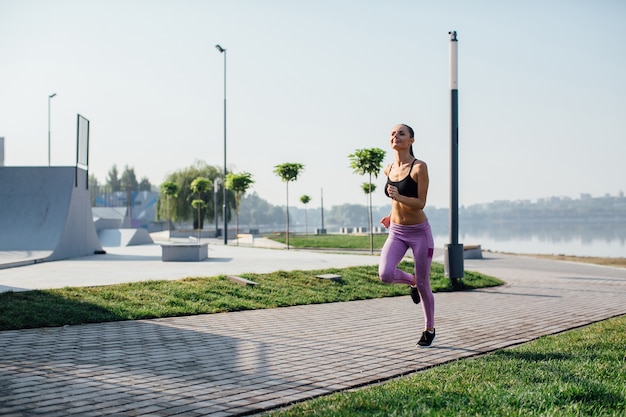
{"x": 141, "y": 263}
{"x": 245, "y": 362}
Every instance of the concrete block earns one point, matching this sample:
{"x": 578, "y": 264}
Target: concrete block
{"x": 184, "y": 252}
{"x": 472, "y": 252}
{"x": 245, "y": 238}
{"x": 241, "y": 281}
{"x": 332, "y": 277}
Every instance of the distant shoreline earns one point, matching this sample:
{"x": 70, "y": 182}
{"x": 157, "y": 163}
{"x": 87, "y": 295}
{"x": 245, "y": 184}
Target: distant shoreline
{"x": 617, "y": 262}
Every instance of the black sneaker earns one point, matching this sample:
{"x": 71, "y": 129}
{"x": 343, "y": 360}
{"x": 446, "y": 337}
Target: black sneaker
{"x": 427, "y": 339}
{"x": 415, "y": 295}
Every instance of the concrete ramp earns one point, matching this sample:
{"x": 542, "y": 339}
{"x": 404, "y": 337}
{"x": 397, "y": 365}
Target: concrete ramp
{"x": 45, "y": 215}
{"x": 124, "y": 237}
{"x": 109, "y": 217}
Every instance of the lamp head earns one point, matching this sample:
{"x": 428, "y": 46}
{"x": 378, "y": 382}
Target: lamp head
{"x": 219, "y": 48}
{"x": 52, "y": 95}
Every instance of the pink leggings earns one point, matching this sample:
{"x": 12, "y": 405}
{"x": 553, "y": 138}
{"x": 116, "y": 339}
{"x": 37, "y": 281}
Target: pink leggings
{"x": 419, "y": 238}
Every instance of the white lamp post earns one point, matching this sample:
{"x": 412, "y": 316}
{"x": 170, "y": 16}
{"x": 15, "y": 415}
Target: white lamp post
{"x": 49, "y": 98}
{"x": 223, "y": 51}
{"x": 216, "y": 188}
{"x": 453, "y": 265}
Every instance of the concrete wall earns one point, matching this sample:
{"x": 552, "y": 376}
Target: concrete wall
{"x": 46, "y": 211}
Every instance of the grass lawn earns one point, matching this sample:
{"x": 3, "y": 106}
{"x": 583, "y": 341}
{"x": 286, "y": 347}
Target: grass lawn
{"x": 200, "y": 295}
{"x": 578, "y": 373}
{"x": 331, "y": 241}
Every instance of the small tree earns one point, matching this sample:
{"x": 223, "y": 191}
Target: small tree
{"x": 198, "y": 205}
{"x": 199, "y": 186}
{"x": 288, "y": 172}
{"x": 144, "y": 184}
{"x": 239, "y": 183}
{"x": 94, "y": 189}
{"x": 128, "y": 180}
{"x": 305, "y": 199}
{"x": 368, "y": 161}
{"x": 113, "y": 180}
{"x": 170, "y": 189}
{"x": 368, "y": 189}
{"x": 181, "y": 209}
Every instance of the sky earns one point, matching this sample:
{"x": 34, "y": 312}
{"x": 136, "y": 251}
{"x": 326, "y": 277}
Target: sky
{"x": 541, "y": 87}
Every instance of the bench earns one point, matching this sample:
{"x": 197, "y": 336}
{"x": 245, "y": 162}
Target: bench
{"x": 472, "y": 252}
{"x": 184, "y": 252}
{"x": 245, "y": 238}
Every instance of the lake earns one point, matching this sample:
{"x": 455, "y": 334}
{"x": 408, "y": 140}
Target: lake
{"x": 598, "y": 238}
{"x": 551, "y": 237}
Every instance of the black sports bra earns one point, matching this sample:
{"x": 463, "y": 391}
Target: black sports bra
{"x": 407, "y": 186}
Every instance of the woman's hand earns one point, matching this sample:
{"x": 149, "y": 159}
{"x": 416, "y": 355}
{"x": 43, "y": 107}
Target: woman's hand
{"x": 386, "y": 221}
{"x": 392, "y": 190}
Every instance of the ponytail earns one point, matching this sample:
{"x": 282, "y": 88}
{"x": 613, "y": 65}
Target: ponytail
{"x": 412, "y": 134}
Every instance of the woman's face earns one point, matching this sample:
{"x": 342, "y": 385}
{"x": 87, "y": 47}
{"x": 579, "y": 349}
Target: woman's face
{"x": 401, "y": 138}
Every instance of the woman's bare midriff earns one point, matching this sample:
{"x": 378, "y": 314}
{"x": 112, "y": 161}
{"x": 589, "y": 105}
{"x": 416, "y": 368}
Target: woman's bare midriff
{"x": 406, "y": 215}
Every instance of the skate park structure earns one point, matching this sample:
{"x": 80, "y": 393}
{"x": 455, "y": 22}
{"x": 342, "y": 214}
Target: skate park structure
{"x": 45, "y": 215}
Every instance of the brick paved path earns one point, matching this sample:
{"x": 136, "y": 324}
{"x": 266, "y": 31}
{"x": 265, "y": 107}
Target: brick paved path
{"x": 246, "y": 362}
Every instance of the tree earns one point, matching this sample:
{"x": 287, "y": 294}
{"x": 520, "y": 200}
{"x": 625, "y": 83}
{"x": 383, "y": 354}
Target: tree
{"x": 128, "y": 180}
{"x": 254, "y": 211}
{"x": 368, "y": 161}
{"x": 94, "y": 187}
{"x": 239, "y": 183}
{"x": 368, "y": 188}
{"x": 288, "y": 172}
{"x": 198, "y": 205}
{"x": 305, "y": 199}
{"x": 181, "y": 209}
{"x": 113, "y": 180}
{"x": 169, "y": 189}
{"x": 144, "y": 185}
{"x": 199, "y": 186}
{"x": 128, "y": 183}
{"x": 346, "y": 214}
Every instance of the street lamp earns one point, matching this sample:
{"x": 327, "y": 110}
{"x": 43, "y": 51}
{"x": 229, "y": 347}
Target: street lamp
{"x": 222, "y": 50}
{"x": 49, "y": 98}
{"x": 216, "y": 188}
{"x": 453, "y": 265}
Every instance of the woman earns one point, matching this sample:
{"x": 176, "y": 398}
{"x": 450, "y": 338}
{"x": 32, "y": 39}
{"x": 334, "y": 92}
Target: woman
{"x": 407, "y": 186}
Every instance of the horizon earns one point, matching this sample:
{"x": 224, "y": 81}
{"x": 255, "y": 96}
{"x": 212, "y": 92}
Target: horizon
{"x": 308, "y": 206}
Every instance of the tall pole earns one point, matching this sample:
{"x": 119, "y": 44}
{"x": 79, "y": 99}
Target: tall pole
{"x": 216, "y": 187}
{"x": 223, "y": 51}
{"x": 454, "y": 250}
{"x": 49, "y": 98}
{"x": 454, "y": 140}
{"x": 322, "y": 209}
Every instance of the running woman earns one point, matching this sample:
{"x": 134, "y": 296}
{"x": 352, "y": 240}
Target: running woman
{"x": 407, "y": 187}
